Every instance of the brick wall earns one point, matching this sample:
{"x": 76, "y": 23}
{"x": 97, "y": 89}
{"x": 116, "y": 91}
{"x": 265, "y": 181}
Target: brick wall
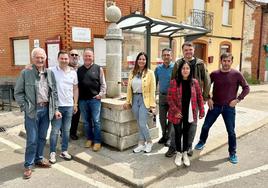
{"x": 91, "y": 14}
{"x": 258, "y": 53}
{"x": 33, "y": 19}
{"x": 41, "y": 19}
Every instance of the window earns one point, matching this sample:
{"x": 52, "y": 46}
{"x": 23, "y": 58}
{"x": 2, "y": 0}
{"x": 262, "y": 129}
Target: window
{"x": 168, "y": 8}
{"x": 225, "y": 48}
{"x": 133, "y": 44}
{"x": 199, "y": 4}
{"x": 100, "y": 51}
{"x": 21, "y": 51}
{"x": 227, "y": 7}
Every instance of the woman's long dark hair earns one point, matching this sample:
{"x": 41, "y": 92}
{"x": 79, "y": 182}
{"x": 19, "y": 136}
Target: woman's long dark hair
{"x": 136, "y": 67}
{"x": 179, "y": 77}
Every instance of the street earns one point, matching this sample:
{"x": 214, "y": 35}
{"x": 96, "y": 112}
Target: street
{"x": 211, "y": 170}
{"x": 215, "y": 170}
{"x": 62, "y": 174}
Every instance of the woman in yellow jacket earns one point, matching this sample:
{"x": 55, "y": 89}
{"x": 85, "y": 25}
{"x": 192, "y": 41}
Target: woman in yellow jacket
{"x": 141, "y": 97}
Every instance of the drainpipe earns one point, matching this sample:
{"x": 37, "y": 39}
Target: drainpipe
{"x": 143, "y": 7}
{"x": 260, "y": 46}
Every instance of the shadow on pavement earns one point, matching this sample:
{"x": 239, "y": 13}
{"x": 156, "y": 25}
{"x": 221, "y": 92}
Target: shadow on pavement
{"x": 11, "y": 172}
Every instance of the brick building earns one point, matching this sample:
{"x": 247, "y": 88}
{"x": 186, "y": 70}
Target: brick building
{"x": 49, "y": 24}
{"x": 255, "y": 37}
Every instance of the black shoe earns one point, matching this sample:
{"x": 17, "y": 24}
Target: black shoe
{"x": 168, "y": 142}
{"x": 74, "y": 137}
{"x": 171, "y": 152}
{"x": 162, "y": 140}
{"x": 190, "y": 153}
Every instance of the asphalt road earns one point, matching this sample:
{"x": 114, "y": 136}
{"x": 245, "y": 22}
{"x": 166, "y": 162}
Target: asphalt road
{"x": 62, "y": 174}
{"x": 214, "y": 169}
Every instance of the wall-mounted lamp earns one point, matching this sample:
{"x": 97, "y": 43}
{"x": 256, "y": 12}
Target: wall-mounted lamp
{"x": 210, "y": 59}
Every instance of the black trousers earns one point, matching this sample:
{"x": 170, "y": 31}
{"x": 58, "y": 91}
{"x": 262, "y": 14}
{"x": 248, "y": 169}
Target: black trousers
{"x": 75, "y": 122}
{"x": 184, "y": 135}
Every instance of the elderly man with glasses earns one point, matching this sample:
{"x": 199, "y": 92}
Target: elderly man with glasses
{"x": 36, "y": 94}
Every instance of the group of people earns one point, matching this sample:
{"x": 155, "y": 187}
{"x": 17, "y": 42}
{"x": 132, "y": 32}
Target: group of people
{"x": 58, "y": 95}
{"x": 61, "y": 93}
{"x": 184, "y": 88}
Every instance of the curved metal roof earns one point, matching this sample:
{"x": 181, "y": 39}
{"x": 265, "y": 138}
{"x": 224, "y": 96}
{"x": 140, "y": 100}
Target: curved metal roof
{"x": 161, "y": 28}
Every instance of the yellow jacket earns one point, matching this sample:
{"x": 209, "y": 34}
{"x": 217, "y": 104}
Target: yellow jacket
{"x": 148, "y": 89}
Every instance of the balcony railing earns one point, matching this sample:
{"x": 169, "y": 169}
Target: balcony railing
{"x": 202, "y": 19}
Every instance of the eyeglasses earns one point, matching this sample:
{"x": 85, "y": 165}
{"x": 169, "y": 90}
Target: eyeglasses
{"x": 74, "y": 55}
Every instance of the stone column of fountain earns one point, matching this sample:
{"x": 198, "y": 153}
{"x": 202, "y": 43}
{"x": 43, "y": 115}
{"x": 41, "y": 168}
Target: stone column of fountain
{"x": 119, "y": 128}
{"x": 113, "y": 39}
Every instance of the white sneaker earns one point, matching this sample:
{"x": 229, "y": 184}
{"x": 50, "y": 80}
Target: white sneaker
{"x": 148, "y": 147}
{"x": 178, "y": 159}
{"x": 52, "y": 159}
{"x": 66, "y": 156}
{"x": 139, "y": 148}
{"x": 185, "y": 158}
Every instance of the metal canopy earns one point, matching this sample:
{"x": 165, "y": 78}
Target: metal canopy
{"x": 159, "y": 28}
{"x": 137, "y": 23}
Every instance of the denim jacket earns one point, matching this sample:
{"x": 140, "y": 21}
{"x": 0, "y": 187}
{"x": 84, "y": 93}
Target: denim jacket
{"x": 26, "y": 91}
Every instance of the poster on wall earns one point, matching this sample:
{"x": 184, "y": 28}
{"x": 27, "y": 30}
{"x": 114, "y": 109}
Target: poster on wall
{"x": 81, "y": 34}
{"x": 52, "y": 53}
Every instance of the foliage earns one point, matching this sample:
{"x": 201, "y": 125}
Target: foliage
{"x": 250, "y": 80}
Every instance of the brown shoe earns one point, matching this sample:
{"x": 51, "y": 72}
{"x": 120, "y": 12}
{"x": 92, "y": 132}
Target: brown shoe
{"x": 43, "y": 164}
{"x": 88, "y": 144}
{"x": 97, "y": 147}
{"x": 27, "y": 173}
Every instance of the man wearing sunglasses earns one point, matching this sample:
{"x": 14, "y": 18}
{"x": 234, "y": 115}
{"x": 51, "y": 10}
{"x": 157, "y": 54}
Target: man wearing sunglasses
{"x": 74, "y": 59}
{"x": 74, "y": 63}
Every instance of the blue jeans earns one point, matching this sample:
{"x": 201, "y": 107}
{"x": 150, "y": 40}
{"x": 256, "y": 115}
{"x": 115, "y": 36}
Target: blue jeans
{"x": 36, "y": 132}
{"x": 64, "y": 124}
{"x": 228, "y": 114}
{"x": 141, "y": 114}
{"x": 90, "y": 113}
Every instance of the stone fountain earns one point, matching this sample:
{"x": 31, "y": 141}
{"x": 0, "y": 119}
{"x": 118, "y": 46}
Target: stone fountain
{"x": 119, "y": 127}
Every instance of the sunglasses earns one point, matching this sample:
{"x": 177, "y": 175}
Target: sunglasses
{"x": 74, "y": 55}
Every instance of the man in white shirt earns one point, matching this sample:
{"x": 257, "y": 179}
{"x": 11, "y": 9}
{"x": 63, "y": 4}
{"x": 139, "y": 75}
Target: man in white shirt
{"x": 67, "y": 87}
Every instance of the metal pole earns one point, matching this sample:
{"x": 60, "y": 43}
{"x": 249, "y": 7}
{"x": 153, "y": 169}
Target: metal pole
{"x": 148, "y": 44}
{"x": 170, "y": 42}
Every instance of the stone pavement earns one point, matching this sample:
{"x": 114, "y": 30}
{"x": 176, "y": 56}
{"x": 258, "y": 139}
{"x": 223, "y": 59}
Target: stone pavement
{"x": 140, "y": 170}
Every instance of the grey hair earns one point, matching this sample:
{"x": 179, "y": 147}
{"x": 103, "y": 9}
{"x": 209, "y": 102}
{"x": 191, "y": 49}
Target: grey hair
{"x": 35, "y": 50}
{"x": 88, "y": 49}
